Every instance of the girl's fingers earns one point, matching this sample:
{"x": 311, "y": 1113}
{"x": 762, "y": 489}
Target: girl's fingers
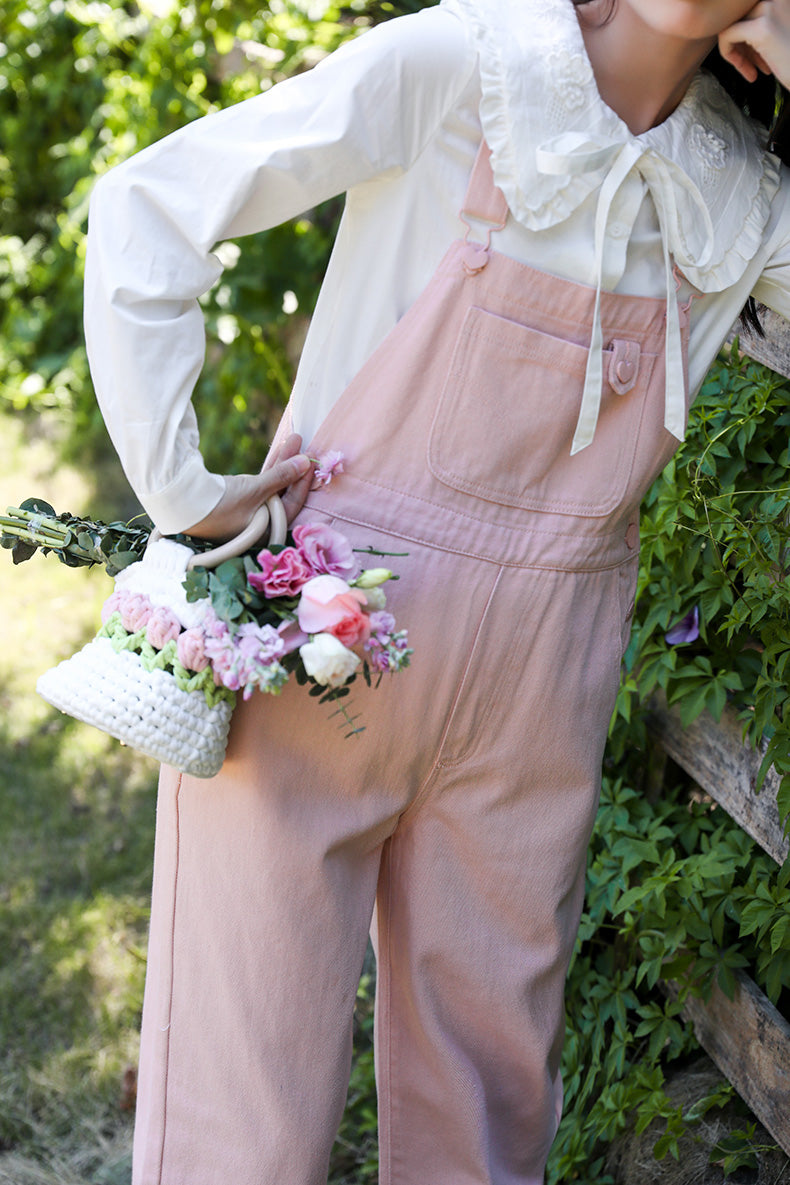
{"x": 289, "y": 448}
{"x": 740, "y": 61}
{"x": 245, "y": 493}
{"x": 760, "y": 42}
{"x": 294, "y": 497}
{"x": 285, "y": 472}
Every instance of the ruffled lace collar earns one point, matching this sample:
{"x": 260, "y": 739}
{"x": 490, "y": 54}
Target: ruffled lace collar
{"x": 554, "y": 141}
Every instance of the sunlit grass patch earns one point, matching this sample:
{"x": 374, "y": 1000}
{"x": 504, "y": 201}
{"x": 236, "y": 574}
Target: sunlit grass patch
{"x": 76, "y": 850}
{"x": 76, "y": 842}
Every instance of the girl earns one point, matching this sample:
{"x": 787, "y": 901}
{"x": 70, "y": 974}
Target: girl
{"x": 537, "y": 191}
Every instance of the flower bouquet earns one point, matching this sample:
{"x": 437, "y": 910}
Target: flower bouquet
{"x": 188, "y": 629}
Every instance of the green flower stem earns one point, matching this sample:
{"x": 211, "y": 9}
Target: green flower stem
{"x": 40, "y": 529}
{"x": 42, "y": 538}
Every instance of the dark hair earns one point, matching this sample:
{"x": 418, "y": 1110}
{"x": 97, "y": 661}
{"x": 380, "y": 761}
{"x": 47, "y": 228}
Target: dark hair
{"x": 764, "y": 100}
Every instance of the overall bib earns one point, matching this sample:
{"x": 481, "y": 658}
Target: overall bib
{"x": 463, "y": 811}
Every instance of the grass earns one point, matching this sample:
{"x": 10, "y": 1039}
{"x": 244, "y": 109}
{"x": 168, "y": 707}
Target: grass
{"x": 76, "y": 834}
{"x": 76, "y": 848}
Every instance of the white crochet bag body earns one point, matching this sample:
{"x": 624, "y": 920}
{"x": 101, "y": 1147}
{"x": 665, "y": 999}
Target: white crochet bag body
{"x": 147, "y": 710}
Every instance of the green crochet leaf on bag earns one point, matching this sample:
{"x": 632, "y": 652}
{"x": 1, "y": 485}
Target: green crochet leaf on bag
{"x": 165, "y": 659}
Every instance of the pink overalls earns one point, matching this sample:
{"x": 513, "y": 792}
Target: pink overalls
{"x": 463, "y": 812}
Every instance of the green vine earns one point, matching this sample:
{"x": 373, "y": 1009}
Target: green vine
{"x": 716, "y": 535}
{"x": 678, "y": 896}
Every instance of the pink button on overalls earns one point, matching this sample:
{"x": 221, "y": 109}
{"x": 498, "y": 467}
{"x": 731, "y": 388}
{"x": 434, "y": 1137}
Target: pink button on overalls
{"x": 463, "y": 812}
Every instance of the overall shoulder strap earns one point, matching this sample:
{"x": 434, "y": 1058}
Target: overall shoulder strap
{"x": 484, "y": 201}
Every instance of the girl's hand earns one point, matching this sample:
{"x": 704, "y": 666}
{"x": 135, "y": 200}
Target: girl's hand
{"x": 285, "y": 469}
{"x": 760, "y": 42}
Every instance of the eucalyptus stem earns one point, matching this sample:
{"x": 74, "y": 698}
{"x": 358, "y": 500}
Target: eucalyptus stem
{"x": 75, "y": 541}
{"x": 39, "y": 535}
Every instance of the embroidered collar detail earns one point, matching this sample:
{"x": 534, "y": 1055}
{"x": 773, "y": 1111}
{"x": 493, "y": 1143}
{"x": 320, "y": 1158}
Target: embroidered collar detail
{"x": 538, "y": 85}
{"x": 554, "y": 142}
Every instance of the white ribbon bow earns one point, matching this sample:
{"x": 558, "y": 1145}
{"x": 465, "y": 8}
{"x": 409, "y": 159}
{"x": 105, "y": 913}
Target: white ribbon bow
{"x": 574, "y": 153}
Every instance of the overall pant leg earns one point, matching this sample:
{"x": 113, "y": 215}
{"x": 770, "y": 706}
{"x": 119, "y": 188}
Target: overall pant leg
{"x": 481, "y": 891}
{"x": 264, "y": 886}
{"x": 257, "y": 939}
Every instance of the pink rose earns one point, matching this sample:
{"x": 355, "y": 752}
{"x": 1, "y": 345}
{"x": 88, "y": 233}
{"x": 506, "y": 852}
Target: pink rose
{"x": 326, "y": 550}
{"x": 135, "y": 611}
{"x": 292, "y": 636}
{"x": 162, "y": 627}
{"x": 328, "y": 605}
{"x": 190, "y": 648}
{"x": 282, "y": 575}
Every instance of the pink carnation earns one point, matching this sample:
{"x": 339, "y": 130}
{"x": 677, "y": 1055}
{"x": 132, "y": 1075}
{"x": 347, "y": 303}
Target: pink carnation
{"x": 162, "y": 627}
{"x": 327, "y": 465}
{"x": 191, "y": 650}
{"x": 135, "y": 611}
{"x": 326, "y": 550}
{"x": 281, "y": 575}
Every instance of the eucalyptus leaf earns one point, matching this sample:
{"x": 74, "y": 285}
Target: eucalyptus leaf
{"x": 38, "y": 506}
{"x": 119, "y": 560}
{"x": 21, "y": 551}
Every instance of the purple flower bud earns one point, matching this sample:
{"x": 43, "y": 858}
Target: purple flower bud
{"x": 686, "y": 630}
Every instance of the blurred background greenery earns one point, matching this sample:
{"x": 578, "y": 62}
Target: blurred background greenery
{"x": 84, "y": 84}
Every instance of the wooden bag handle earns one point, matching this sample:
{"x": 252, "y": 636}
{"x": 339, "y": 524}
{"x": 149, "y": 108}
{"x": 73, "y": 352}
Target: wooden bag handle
{"x": 271, "y": 515}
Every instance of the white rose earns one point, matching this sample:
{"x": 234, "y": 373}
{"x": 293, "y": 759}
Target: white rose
{"x": 328, "y": 661}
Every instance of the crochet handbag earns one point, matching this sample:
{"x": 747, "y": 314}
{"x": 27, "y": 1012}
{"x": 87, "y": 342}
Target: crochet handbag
{"x": 129, "y": 695}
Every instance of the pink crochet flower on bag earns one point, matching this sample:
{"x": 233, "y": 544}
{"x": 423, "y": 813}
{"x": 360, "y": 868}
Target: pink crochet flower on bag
{"x": 191, "y": 650}
{"x": 112, "y": 605}
{"x": 135, "y": 611}
{"x": 162, "y": 627}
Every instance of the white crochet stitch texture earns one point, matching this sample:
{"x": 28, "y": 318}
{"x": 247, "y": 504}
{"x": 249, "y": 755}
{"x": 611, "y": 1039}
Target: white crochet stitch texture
{"x": 144, "y": 709}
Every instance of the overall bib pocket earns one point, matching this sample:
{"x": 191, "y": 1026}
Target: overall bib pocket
{"x": 506, "y": 416}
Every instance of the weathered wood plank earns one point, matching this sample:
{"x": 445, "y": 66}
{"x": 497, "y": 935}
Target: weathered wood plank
{"x": 726, "y": 769}
{"x": 749, "y": 1040}
{"x": 772, "y": 350}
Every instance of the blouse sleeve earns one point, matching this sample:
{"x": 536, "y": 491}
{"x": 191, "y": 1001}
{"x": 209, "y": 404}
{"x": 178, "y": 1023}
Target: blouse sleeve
{"x": 370, "y": 107}
{"x": 773, "y": 286}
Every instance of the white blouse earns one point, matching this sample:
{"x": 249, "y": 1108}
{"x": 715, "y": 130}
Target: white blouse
{"x": 394, "y": 118}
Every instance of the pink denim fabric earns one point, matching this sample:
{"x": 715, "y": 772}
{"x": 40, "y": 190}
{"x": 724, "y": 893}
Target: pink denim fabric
{"x": 459, "y": 819}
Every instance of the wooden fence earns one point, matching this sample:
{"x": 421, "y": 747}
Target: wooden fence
{"x": 747, "y": 1037}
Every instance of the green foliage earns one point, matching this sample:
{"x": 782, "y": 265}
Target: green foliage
{"x": 85, "y": 85}
{"x": 677, "y": 893}
{"x": 716, "y": 535}
{"x": 671, "y": 896}
{"x": 355, "y": 1154}
{"x": 77, "y": 542}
